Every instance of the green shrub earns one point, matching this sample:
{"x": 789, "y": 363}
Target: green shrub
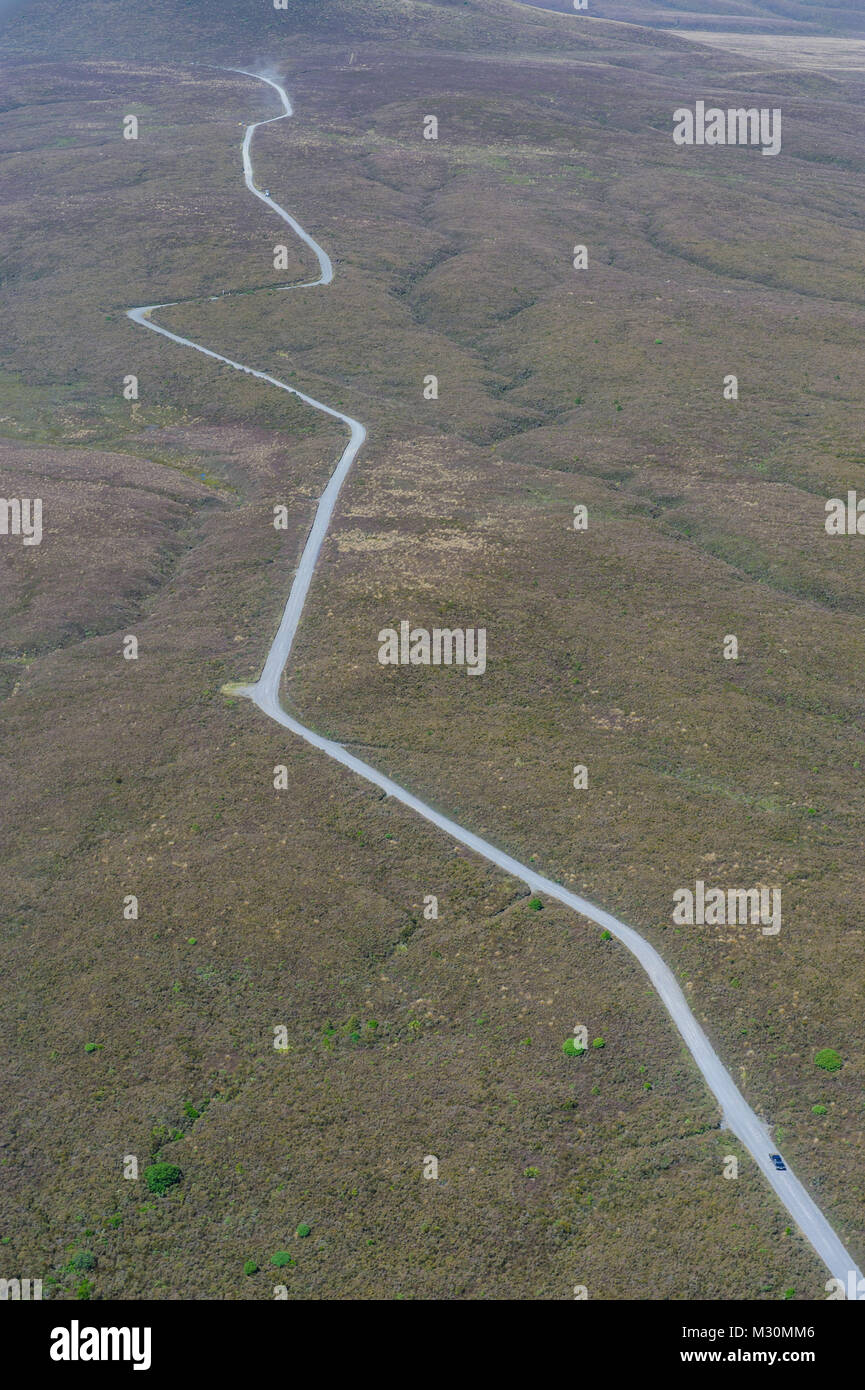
{"x": 818, "y": 1110}
{"x": 598, "y": 1042}
{"x": 304, "y": 1230}
{"x": 828, "y": 1059}
{"x": 282, "y": 1259}
{"x": 571, "y": 1048}
{"x": 606, "y": 935}
{"x": 250, "y": 1267}
{"x": 82, "y": 1260}
{"x": 535, "y": 904}
{"x": 161, "y": 1176}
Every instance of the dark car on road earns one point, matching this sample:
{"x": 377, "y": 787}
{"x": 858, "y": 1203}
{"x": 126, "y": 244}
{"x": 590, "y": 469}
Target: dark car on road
{"x": 778, "y": 1162}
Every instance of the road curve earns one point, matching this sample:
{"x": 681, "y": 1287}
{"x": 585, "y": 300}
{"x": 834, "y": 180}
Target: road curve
{"x": 737, "y": 1115}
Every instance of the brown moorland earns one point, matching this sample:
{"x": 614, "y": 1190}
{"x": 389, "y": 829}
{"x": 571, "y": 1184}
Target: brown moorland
{"x": 409, "y": 1036}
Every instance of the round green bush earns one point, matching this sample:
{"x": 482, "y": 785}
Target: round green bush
{"x": 250, "y": 1267}
{"x": 83, "y": 1260}
{"x": 282, "y": 1259}
{"x": 304, "y": 1230}
{"x": 571, "y": 1048}
{"x": 598, "y": 1042}
{"x": 828, "y": 1059}
{"x": 818, "y": 1110}
{"x": 161, "y": 1176}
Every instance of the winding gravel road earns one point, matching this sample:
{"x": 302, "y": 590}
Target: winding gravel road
{"x": 737, "y": 1114}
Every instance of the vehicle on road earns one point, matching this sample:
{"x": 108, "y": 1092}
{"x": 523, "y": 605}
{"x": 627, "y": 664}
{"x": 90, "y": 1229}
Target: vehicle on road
{"x": 778, "y": 1162}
